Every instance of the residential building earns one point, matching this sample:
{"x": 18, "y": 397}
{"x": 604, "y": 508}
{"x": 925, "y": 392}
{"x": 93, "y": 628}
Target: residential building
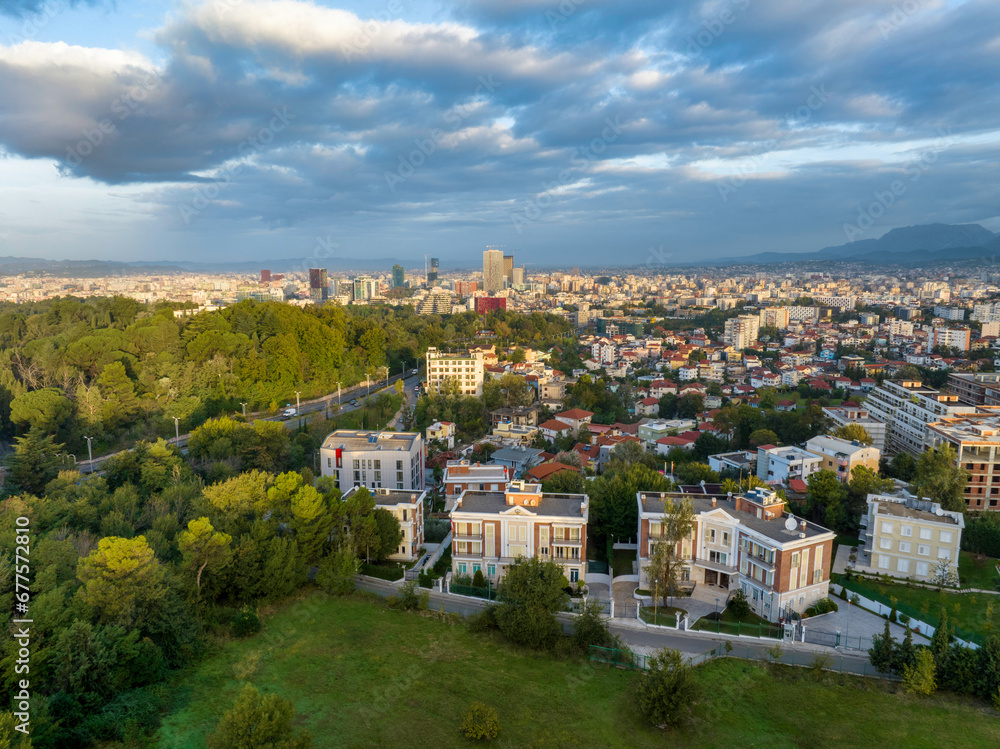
{"x": 487, "y": 304}
{"x": 393, "y": 460}
{"x": 957, "y": 338}
{"x": 508, "y": 269}
{"x": 575, "y": 417}
{"x": 949, "y": 313}
{"x": 843, "y": 456}
{"x": 466, "y": 370}
{"x": 437, "y": 302}
{"x": 976, "y": 388}
{"x": 408, "y": 509}
{"x": 398, "y": 276}
{"x": 319, "y": 286}
{"x": 906, "y": 408}
{"x": 518, "y": 458}
{"x": 976, "y": 441}
{"x": 493, "y": 275}
{"x": 911, "y": 537}
{"x": 743, "y": 462}
{"x": 365, "y": 288}
{"x": 647, "y": 407}
{"x": 553, "y": 429}
{"x": 779, "y": 465}
{"x": 460, "y": 475}
{"x": 741, "y": 332}
{"x": 748, "y": 543}
{"x": 849, "y": 414}
{"x": 492, "y": 529}
{"x": 443, "y": 431}
{"x": 552, "y": 391}
{"x": 774, "y": 317}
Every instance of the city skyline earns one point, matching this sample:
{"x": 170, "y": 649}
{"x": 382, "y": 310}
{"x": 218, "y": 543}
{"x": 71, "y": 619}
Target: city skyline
{"x": 574, "y": 132}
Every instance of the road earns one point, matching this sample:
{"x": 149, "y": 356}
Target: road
{"x": 359, "y": 392}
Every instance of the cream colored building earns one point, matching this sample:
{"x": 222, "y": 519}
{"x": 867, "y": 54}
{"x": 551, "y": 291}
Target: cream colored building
{"x": 910, "y": 537}
{"x": 466, "y": 370}
{"x": 408, "y": 509}
{"x": 843, "y": 456}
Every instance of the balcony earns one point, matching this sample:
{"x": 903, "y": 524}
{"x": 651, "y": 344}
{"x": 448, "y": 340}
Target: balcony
{"x": 466, "y": 556}
{"x": 760, "y": 562}
{"x": 467, "y": 537}
{"x": 574, "y": 543}
{"x": 717, "y": 566}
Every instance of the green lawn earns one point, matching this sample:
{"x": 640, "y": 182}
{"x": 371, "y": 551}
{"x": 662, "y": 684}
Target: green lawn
{"x": 973, "y": 576}
{"x": 622, "y": 562}
{"x": 361, "y": 675}
{"x": 965, "y": 610}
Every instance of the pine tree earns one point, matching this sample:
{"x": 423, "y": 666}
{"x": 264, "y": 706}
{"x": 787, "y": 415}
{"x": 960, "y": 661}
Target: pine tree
{"x": 919, "y": 678}
{"x": 882, "y": 653}
{"x": 939, "y": 642}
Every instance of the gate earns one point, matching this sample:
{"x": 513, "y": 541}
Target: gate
{"x": 626, "y": 610}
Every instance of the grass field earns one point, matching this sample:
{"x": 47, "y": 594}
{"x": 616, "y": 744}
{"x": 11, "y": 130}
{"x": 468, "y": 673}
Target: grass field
{"x": 622, "y": 563}
{"x": 972, "y": 576}
{"x": 361, "y": 675}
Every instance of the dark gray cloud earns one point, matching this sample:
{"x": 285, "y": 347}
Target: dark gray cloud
{"x": 728, "y": 126}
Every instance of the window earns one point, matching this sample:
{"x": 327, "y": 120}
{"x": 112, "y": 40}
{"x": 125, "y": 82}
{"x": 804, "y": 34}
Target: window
{"x": 711, "y": 535}
{"x": 399, "y": 465}
{"x": 463, "y": 568}
{"x": 476, "y": 567}
{"x": 885, "y": 543}
{"x": 906, "y": 530}
{"x": 378, "y": 464}
{"x": 817, "y": 576}
{"x": 944, "y": 554}
{"x": 904, "y": 547}
{"x": 491, "y": 569}
{"x": 924, "y": 550}
{"x": 903, "y": 565}
{"x": 945, "y": 537}
{"x": 795, "y": 559}
{"x": 925, "y": 534}
{"x": 883, "y": 561}
{"x": 356, "y": 465}
{"x": 574, "y": 575}
{"x": 511, "y": 533}
{"x": 725, "y": 538}
{"x": 887, "y": 528}
{"x": 922, "y": 569}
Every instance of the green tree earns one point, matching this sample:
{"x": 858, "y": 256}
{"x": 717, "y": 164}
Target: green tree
{"x": 531, "y": 592}
{"x": 202, "y": 547}
{"x": 337, "y": 570}
{"x": 312, "y": 522}
{"x": 853, "y": 433}
{"x": 882, "y": 653}
{"x": 939, "y": 477}
{"x": 919, "y": 678}
{"x": 590, "y": 627}
{"x": 47, "y": 409}
{"x": 388, "y": 535}
{"x": 613, "y": 509}
{"x": 35, "y": 462}
{"x": 123, "y": 581}
{"x": 258, "y": 721}
{"x": 665, "y": 560}
{"x": 118, "y": 391}
{"x": 690, "y": 405}
{"x": 825, "y": 499}
{"x": 763, "y": 437}
{"x": 667, "y": 691}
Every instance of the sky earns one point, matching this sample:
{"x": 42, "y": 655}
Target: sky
{"x": 572, "y": 132}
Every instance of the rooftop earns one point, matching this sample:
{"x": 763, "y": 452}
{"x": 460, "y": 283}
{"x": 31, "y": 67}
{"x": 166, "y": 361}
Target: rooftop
{"x": 359, "y": 440}
{"x": 914, "y": 508}
{"x": 391, "y": 497}
{"x": 553, "y": 505}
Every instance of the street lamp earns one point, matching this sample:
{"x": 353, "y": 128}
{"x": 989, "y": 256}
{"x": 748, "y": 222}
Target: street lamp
{"x": 244, "y": 409}
{"x": 368, "y": 382}
{"x": 177, "y": 430}
{"x": 716, "y": 609}
{"x": 90, "y": 454}
{"x": 338, "y": 393}
{"x": 297, "y": 394}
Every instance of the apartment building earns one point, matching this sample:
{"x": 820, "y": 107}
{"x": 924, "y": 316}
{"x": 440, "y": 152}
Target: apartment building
{"x": 748, "y": 543}
{"x": 492, "y": 529}
{"x": 408, "y": 509}
{"x": 910, "y": 537}
{"x": 848, "y": 414}
{"x": 976, "y": 388}
{"x": 976, "y": 441}
{"x": 957, "y": 338}
{"x": 393, "y": 460}
{"x": 906, "y": 408}
{"x": 461, "y": 475}
{"x": 740, "y": 332}
{"x": 779, "y": 465}
{"x": 843, "y": 456}
{"x": 776, "y": 317}
{"x": 467, "y": 370}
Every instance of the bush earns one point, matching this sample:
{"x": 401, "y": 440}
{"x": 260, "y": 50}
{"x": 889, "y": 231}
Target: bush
{"x": 484, "y": 621}
{"x": 435, "y": 530}
{"x": 843, "y": 593}
{"x": 481, "y": 722}
{"x": 382, "y": 572}
{"x": 667, "y": 691}
{"x": 246, "y": 623}
{"x": 822, "y": 606}
{"x": 739, "y": 606}
{"x": 478, "y": 580}
{"x": 426, "y": 579}
{"x": 336, "y": 572}
{"x": 590, "y": 628}
{"x": 919, "y": 679}
{"x": 410, "y": 600}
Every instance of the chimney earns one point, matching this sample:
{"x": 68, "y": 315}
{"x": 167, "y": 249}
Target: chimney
{"x": 713, "y": 501}
{"x": 802, "y": 525}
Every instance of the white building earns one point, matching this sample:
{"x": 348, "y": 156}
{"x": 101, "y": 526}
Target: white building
{"x": 466, "y": 370}
{"x": 844, "y": 415}
{"x": 493, "y": 271}
{"x": 911, "y": 537}
{"x": 779, "y": 465}
{"x": 408, "y": 509}
{"x": 906, "y": 408}
{"x": 392, "y": 460}
{"x": 741, "y": 332}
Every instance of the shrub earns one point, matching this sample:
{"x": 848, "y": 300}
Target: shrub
{"x": 485, "y": 620}
{"x": 893, "y": 616}
{"x": 336, "y": 572}
{"x": 739, "y": 606}
{"x": 481, "y": 722}
{"x": 843, "y": 593}
{"x": 667, "y": 691}
{"x": 821, "y": 662}
{"x": 426, "y": 580}
{"x": 590, "y": 627}
{"x": 478, "y": 580}
{"x": 995, "y": 700}
{"x": 919, "y": 679}
{"x": 382, "y": 572}
{"x": 246, "y": 623}
{"x": 411, "y": 600}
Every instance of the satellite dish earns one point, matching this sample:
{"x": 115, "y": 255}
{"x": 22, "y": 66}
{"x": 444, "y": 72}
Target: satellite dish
{"x": 790, "y": 523}
{"x": 939, "y": 512}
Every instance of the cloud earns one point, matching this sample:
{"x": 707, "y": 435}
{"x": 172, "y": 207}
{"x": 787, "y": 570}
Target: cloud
{"x": 458, "y": 122}
{"x": 30, "y": 8}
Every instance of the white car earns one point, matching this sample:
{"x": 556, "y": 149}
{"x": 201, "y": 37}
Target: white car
{"x": 290, "y": 412}
{"x": 416, "y": 371}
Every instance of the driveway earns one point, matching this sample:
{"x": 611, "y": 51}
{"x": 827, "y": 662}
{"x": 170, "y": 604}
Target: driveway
{"x": 854, "y": 622}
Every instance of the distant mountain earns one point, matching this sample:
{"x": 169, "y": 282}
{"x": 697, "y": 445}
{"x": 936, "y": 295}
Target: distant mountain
{"x": 898, "y": 246}
{"x": 17, "y": 266}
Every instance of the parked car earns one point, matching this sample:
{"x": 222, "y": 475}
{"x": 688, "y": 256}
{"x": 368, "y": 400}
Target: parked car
{"x": 290, "y": 412}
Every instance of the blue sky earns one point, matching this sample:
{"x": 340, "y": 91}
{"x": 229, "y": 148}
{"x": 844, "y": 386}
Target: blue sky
{"x": 574, "y": 132}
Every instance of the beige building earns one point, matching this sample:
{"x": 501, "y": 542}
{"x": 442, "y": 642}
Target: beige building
{"x": 490, "y": 529}
{"x": 408, "y": 509}
{"x": 741, "y": 332}
{"x": 466, "y": 370}
{"x": 911, "y": 537}
{"x": 844, "y": 415}
{"x": 776, "y": 317}
{"x": 906, "y": 408}
{"x": 842, "y": 456}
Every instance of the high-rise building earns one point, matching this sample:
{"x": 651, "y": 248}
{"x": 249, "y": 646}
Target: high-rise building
{"x": 466, "y": 370}
{"x": 465, "y": 288}
{"x": 774, "y": 317}
{"x": 265, "y": 277}
{"x": 398, "y": 276}
{"x": 319, "y": 287}
{"x": 741, "y": 331}
{"x": 365, "y": 288}
{"x": 492, "y": 270}
{"x": 508, "y": 268}
{"x": 907, "y": 407}
{"x": 950, "y": 338}
{"x": 518, "y": 279}
{"x": 486, "y": 304}
{"x": 432, "y": 271}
